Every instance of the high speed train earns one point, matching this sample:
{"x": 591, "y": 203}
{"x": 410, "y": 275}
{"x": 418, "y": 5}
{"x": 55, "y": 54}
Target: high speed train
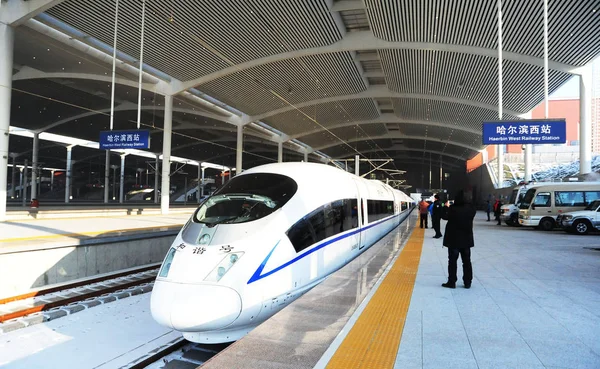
{"x": 262, "y": 240}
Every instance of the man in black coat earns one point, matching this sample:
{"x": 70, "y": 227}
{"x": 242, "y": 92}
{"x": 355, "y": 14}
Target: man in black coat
{"x": 458, "y": 238}
{"x": 436, "y": 216}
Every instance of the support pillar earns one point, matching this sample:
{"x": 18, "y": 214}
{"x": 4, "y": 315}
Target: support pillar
{"x": 25, "y": 180}
{"x": 13, "y": 177}
{"x": 106, "y": 176}
{"x": 357, "y": 165}
{"x": 239, "y": 151}
{"x": 528, "y": 151}
{"x": 280, "y": 152}
{"x": 199, "y": 182}
{"x": 68, "y": 176}
{"x": 122, "y": 179}
{"x": 527, "y": 154}
{"x": 306, "y": 156}
{"x": 6, "y": 72}
{"x": 585, "y": 124}
{"x": 166, "y": 162}
{"x": 52, "y": 180}
{"x": 202, "y": 188}
{"x": 156, "y": 164}
{"x": 500, "y": 148}
{"x": 34, "y": 165}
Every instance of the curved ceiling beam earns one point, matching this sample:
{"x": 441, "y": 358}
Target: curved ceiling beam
{"x": 389, "y": 118}
{"x": 224, "y": 139}
{"x": 391, "y": 136}
{"x": 15, "y": 13}
{"x": 375, "y": 92}
{"x": 131, "y": 106}
{"x": 393, "y": 148}
{"x": 31, "y": 73}
{"x": 366, "y": 40}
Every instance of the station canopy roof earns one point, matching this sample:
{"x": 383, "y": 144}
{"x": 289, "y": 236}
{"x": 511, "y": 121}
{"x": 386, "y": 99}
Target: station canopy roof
{"x": 406, "y": 80}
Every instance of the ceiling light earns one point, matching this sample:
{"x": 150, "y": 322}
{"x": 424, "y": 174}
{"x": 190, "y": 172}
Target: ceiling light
{"x": 34, "y": 57}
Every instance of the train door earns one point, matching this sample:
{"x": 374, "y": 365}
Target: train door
{"x": 362, "y": 212}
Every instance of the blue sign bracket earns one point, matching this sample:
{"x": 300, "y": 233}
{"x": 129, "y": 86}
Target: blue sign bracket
{"x": 527, "y": 131}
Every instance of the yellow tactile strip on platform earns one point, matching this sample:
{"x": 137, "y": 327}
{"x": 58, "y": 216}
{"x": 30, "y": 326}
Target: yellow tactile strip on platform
{"x": 374, "y": 339}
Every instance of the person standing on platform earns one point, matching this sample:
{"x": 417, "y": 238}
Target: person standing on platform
{"x": 498, "y": 209}
{"x": 423, "y": 205}
{"x": 436, "y": 216}
{"x": 458, "y": 238}
{"x": 488, "y": 207}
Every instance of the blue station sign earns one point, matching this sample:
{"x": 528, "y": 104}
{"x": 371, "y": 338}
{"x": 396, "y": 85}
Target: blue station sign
{"x": 112, "y": 140}
{"x": 532, "y": 131}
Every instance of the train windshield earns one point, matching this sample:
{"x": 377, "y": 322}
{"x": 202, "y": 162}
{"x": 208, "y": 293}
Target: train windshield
{"x": 246, "y": 198}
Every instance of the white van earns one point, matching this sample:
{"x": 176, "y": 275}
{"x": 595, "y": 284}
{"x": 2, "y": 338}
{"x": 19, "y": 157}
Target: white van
{"x": 542, "y": 204}
{"x": 509, "y": 213}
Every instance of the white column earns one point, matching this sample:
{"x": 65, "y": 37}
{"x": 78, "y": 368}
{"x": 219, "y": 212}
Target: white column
{"x": 500, "y": 148}
{"x": 585, "y": 124}
{"x": 25, "y": 180}
{"x": 156, "y": 164}
{"x": 6, "y": 71}
{"x": 106, "y": 176}
{"x": 280, "y": 152}
{"x": 357, "y": 165}
{"x": 21, "y": 181}
{"x": 68, "y": 176}
{"x": 306, "y": 156}
{"x": 199, "y": 182}
{"x": 239, "y": 150}
{"x": 13, "y": 178}
{"x": 527, "y": 154}
{"x": 202, "y": 188}
{"x": 34, "y": 165}
{"x": 122, "y": 179}
{"x": 52, "y": 180}
{"x": 166, "y": 163}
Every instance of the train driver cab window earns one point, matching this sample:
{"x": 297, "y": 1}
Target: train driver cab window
{"x": 246, "y": 198}
{"x": 542, "y": 199}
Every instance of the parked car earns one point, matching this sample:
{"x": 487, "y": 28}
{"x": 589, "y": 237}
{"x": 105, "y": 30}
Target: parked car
{"x": 582, "y": 221}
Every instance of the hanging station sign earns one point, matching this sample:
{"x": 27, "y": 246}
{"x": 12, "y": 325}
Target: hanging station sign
{"x": 113, "y": 140}
{"x": 531, "y": 131}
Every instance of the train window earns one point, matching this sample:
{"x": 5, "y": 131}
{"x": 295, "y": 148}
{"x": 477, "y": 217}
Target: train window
{"x": 301, "y": 235}
{"x": 379, "y": 209}
{"x": 246, "y": 198}
{"x": 324, "y": 222}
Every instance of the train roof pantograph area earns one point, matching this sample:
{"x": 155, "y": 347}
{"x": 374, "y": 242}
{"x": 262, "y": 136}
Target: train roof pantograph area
{"x": 407, "y": 80}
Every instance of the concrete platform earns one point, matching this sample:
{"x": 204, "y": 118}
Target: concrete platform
{"x": 77, "y": 210}
{"x": 27, "y": 235}
{"x": 38, "y": 253}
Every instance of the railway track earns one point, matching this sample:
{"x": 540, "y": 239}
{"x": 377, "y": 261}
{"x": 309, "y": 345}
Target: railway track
{"x": 177, "y": 354}
{"x": 58, "y": 301}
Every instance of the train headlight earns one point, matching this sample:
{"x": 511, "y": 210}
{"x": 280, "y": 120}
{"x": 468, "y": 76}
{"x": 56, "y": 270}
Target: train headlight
{"x": 204, "y": 240}
{"x": 223, "y": 267}
{"x": 166, "y": 266}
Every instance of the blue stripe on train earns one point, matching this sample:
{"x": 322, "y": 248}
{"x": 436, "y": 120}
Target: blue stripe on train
{"x": 257, "y": 274}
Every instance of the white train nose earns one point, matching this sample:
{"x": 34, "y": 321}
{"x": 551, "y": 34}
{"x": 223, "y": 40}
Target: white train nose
{"x": 193, "y": 308}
